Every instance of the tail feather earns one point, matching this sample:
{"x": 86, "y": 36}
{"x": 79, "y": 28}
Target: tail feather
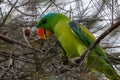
{"x": 115, "y": 76}
{"x": 100, "y": 65}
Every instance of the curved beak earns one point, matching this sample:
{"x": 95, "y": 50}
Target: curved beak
{"x": 43, "y": 33}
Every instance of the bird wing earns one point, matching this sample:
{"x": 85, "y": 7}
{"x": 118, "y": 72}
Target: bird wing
{"x": 86, "y": 36}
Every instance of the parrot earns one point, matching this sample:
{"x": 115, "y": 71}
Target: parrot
{"x": 75, "y": 38}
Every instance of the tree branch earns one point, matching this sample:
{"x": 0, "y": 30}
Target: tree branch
{"x": 24, "y": 13}
{"x": 6, "y": 55}
{"x": 8, "y": 13}
{"x": 11, "y": 41}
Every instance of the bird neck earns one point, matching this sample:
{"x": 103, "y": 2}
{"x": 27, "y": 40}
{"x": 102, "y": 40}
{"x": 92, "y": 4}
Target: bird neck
{"x": 57, "y": 19}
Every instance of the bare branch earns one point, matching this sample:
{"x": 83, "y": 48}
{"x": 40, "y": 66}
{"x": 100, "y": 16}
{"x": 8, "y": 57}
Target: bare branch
{"x": 22, "y": 12}
{"x": 2, "y": 37}
{"x": 60, "y": 7}
{"x": 8, "y": 14}
{"x": 6, "y": 55}
{"x": 26, "y": 40}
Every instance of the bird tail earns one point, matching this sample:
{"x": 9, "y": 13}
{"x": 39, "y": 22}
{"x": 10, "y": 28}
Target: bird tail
{"x": 101, "y": 65}
{"x": 111, "y": 73}
{"x": 115, "y": 76}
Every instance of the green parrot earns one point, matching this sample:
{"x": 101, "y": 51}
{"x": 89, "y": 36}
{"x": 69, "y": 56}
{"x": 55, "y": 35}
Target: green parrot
{"x": 75, "y": 39}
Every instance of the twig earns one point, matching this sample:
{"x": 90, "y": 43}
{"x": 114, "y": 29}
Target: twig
{"x": 1, "y": 13}
{"x": 47, "y": 8}
{"x": 3, "y": 75}
{"x": 8, "y": 14}
{"x": 11, "y": 41}
{"x": 26, "y": 40}
{"x": 22, "y": 12}
{"x": 60, "y": 7}
{"x": 116, "y": 46}
{"x": 24, "y": 4}
{"x": 82, "y": 58}
{"x": 6, "y": 55}
{"x": 113, "y": 59}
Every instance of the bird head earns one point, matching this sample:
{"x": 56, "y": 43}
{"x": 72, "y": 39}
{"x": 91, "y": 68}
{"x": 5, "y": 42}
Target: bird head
{"x": 46, "y": 24}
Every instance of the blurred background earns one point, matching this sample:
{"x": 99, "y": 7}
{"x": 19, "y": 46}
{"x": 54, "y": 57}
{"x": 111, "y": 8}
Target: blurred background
{"x": 24, "y": 56}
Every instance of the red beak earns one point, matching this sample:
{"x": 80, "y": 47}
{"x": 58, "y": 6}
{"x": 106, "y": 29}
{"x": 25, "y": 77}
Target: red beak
{"x": 43, "y": 33}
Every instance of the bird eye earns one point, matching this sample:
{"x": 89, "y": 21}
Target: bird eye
{"x": 44, "y": 21}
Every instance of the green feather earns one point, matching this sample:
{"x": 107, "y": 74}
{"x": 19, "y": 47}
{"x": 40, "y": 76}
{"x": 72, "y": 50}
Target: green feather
{"x": 86, "y": 36}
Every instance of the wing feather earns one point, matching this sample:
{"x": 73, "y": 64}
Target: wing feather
{"x": 86, "y": 36}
